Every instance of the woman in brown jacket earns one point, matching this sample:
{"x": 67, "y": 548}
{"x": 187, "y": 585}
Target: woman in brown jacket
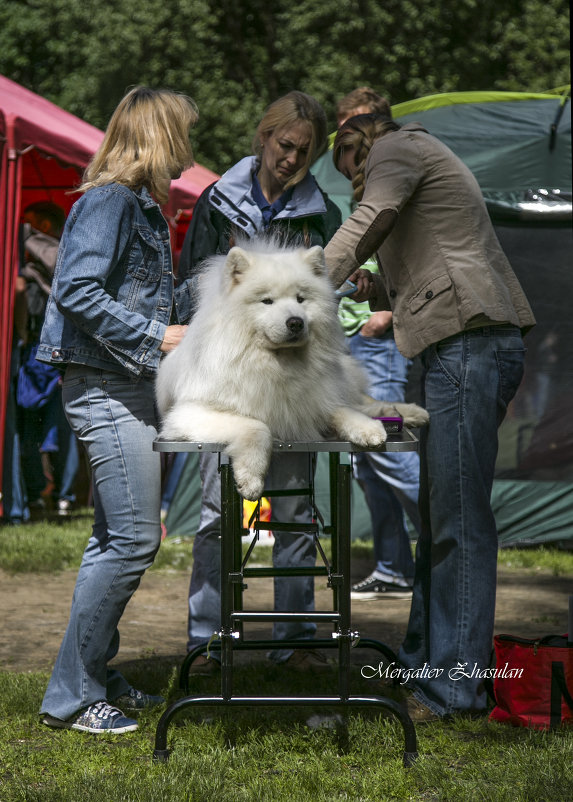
{"x": 457, "y": 303}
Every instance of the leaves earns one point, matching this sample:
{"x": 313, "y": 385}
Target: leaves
{"x": 236, "y": 56}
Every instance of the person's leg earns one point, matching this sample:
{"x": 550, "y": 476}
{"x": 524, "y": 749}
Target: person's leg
{"x": 31, "y": 427}
{"x": 392, "y": 551}
{"x": 114, "y": 418}
{"x": 172, "y": 478}
{"x": 292, "y": 548}
{"x": 205, "y": 585}
{"x": 71, "y": 465}
{"x": 469, "y": 380}
{"x": 389, "y": 481}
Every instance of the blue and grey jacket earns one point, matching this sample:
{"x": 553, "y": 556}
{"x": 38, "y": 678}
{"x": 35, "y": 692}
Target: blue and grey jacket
{"x": 226, "y": 210}
{"x": 113, "y": 291}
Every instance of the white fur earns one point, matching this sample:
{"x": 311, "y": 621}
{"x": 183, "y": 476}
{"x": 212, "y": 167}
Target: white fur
{"x": 264, "y": 358}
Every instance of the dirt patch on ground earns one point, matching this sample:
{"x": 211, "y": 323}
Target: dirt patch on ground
{"x": 35, "y": 611}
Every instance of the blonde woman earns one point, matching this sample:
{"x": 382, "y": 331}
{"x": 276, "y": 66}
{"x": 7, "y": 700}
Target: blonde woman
{"x": 107, "y": 324}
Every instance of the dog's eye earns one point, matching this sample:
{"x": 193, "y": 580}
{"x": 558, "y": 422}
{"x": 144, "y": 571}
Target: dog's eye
{"x": 300, "y": 299}
{"x": 267, "y": 300}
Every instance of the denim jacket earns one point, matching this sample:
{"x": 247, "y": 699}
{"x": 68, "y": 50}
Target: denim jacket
{"x": 113, "y": 291}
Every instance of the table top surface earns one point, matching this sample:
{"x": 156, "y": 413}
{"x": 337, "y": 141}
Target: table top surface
{"x": 396, "y": 441}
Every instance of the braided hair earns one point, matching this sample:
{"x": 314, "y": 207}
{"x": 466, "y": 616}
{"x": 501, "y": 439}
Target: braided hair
{"x": 360, "y": 133}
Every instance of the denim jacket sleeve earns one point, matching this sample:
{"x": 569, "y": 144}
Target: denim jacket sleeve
{"x": 97, "y": 274}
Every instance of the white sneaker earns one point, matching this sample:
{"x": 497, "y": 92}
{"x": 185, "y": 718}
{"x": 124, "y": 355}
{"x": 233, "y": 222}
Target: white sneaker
{"x": 97, "y": 718}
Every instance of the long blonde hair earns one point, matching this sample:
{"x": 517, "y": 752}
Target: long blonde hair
{"x": 360, "y": 133}
{"x": 146, "y": 142}
{"x": 289, "y": 110}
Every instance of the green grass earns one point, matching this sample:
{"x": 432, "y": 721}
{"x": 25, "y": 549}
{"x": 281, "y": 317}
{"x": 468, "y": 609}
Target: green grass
{"x": 264, "y": 753}
{"x": 48, "y": 546}
{"x": 271, "y": 755}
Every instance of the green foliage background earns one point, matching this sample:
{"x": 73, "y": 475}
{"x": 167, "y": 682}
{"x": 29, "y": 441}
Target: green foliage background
{"x": 236, "y": 56}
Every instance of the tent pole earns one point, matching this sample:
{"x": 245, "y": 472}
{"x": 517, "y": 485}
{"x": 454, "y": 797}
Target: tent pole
{"x": 7, "y": 273}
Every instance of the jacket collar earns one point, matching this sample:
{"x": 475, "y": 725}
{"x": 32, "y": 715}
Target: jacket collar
{"x": 232, "y": 196}
{"x": 144, "y": 198}
{"x": 413, "y": 127}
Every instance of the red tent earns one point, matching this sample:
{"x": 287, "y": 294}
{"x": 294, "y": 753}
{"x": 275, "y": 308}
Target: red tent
{"x": 43, "y": 152}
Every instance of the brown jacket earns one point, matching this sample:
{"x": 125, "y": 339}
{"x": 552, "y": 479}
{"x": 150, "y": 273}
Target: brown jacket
{"x": 442, "y": 268}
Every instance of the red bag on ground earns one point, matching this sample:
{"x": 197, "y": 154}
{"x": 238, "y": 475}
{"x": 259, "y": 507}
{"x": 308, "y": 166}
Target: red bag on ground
{"x": 533, "y": 681}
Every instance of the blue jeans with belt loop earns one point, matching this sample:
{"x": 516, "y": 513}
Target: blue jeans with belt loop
{"x": 469, "y": 379}
{"x": 114, "y": 418}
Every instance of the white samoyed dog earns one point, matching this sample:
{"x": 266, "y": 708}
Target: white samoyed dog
{"x": 264, "y": 358}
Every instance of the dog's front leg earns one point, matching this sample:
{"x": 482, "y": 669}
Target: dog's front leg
{"x": 246, "y": 440}
{"x": 250, "y": 449}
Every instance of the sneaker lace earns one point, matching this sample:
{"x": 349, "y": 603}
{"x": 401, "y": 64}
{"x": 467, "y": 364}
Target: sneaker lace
{"x": 104, "y": 711}
{"x": 368, "y": 581}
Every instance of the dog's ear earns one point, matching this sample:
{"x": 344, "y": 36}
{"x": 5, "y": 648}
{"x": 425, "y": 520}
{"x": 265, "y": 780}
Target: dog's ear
{"x": 314, "y": 257}
{"x": 237, "y": 264}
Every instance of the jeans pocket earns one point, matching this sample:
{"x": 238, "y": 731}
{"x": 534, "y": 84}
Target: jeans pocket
{"x": 511, "y": 364}
{"x": 75, "y": 398}
{"x": 448, "y": 358}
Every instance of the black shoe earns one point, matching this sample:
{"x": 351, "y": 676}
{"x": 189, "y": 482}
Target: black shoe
{"x": 137, "y": 700}
{"x": 373, "y": 587}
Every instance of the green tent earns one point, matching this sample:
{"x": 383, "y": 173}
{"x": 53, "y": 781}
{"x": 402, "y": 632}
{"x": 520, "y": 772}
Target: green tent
{"x": 519, "y": 147}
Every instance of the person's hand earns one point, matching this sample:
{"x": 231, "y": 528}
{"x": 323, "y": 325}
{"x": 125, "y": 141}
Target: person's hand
{"x": 377, "y": 324}
{"x": 173, "y": 336}
{"x": 363, "y": 280}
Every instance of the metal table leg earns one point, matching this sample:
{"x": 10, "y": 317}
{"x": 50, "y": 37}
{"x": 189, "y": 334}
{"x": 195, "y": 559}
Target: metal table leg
{"x": 233, "y": 617}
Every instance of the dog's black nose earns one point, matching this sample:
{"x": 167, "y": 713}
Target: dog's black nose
{"x": 295, "y": 324}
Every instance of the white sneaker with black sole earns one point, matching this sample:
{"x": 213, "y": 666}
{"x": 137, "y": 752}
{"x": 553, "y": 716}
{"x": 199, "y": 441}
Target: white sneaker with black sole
{"x": 377, "y": 587}
{"x": 97, "y": 718}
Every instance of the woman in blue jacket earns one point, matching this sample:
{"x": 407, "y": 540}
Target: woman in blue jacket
{"x": 272, "y": 192}
{"x": 108, "y": 320}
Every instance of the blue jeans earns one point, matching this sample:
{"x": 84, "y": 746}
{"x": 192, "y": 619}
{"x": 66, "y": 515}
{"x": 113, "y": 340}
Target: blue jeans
{"x": 114, "y": 418}
{"x": 390, "y": 481}
{"x": 469, "y": 380}
{"x": 291, "y": 594}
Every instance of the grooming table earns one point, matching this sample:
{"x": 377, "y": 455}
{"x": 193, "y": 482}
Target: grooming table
{"x": 235, "y": 569}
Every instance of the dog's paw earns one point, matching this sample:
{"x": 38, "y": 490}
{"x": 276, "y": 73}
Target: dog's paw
{"x": 412, "y": 414}
{"x": 249, "y": 485}
{"x": 357, "y": 428}
{"x": 250, "y": 452}
{"x": 370, "y": 435}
